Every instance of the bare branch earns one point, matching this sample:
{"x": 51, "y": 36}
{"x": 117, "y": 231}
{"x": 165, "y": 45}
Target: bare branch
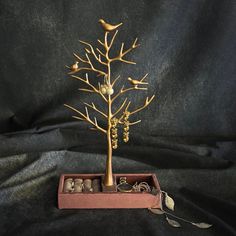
{"x": 134, "y": 45}
{"x": 92, "y": 67}
{"x": 91, "y": 48}
{"x": 126, "y": 90}
{"x": 128, "y": 62}
{"x": 120, "y": 108}
{"x": 144, "y": 77}
{"x": 94, "y": 89}
{"x": 79, "y": 58}
{"x": 87, "y": 114}
{"x": 88, "y": 61}
{"x": 135, "y": 122}
{"x": 95, "y": 108}
{"x": 78, "y": 118}
{"x": 147, "y": 102}
{"x": 125, "y": 110}
{"x": 115, "y": 80}
{"x": 101, "y": 42}
{"x": 105, "y": 42}
{"x": 86, "y": 118}
{"x": 112, "y": 40}
{"x": 86, "y": 90}
{"x": 122, "y": 53}
{"x": 103, "y": 54}
{"x": 95, "y": 120}
{"x": 131, "y": 123}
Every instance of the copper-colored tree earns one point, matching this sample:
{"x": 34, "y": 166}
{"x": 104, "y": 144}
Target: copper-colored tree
{"x": 105, "y": 89}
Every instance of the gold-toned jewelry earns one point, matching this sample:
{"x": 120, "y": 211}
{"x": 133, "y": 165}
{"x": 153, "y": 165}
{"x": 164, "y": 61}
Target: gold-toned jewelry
{"x": 122, "y": 180}
{"x": 114, "y": 134}
{"x": 126, "y": 128}
{"x": 68, "y": 185}
{"x": 110, "y": 90}
{"x": 78, "y": 185}
{"x": 141, "y": 187}
{"x": 114, "y": 144}
{"x": 103, "y": 89}
{"x": 87, "y": 185}
{"x": 123, "y": 186}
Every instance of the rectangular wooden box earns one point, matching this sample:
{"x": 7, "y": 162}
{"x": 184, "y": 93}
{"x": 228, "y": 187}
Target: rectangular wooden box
{"x": 110, "y": 199}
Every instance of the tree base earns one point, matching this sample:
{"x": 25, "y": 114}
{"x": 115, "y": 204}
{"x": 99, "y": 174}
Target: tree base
{"x": 112, "y": 188}
{"x": 110, "y": 199}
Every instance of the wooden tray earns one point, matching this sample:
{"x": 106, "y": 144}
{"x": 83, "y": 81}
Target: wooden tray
{"x": 110, "y": 199}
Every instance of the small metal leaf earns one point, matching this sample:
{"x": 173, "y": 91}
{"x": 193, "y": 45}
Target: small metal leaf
{"x": 202, "y": 225}
{"x": 173, "y": 223}
{"x": 169, "y": 202}
{"x": 156, "y": 211}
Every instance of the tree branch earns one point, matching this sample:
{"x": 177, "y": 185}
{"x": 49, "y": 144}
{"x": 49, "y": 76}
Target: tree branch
{"x": 115, "y": 80}
{"x": 86, "y": 90}
{"x": 147, "y": 102}
{"x": 88, "y": 61}
{"x": 103, "y": 54}
{"x": 120, "y": 108}
{"x": 122, "y": 53}
{"x": 86, "y": 81}
{"x": 95, "y": 108}
{"x": 86, "y": 117}
{"x": 135, "y": 122}
{"x": 126, "y": 90}
{"x": 113, "y": 38}
{"x": 93, "y": 52}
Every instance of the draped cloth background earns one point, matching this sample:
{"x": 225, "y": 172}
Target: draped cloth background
{"x": 187, "y": 135}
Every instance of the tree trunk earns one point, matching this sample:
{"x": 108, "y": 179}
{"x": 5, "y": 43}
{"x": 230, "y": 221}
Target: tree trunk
{"x": 108, "y": 175}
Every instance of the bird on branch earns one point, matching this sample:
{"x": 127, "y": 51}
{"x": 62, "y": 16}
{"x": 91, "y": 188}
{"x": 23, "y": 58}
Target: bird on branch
{"x": 136, "y": 82}
{"x": 108, "y": 27}
{"x": 75, "y": 66}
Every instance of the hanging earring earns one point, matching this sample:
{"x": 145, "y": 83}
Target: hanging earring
{"x": 114, "y": 134}
{"x": 126, "y": 126}
{"x": 126, "y": 131}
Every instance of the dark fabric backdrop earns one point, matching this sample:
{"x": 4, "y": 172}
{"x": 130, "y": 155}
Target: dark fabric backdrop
{"x": 187, "y": 135}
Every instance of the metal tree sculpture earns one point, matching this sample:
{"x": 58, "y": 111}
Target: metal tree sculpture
{"x": 121, "y": 116}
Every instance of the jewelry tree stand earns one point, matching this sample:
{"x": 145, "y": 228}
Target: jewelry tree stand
{"x": 108, "y": 190}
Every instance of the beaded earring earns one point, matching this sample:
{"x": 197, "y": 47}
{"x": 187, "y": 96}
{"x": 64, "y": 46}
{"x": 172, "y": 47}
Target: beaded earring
{"x": 126, "y": 127}
{"x": 114, "y": 134}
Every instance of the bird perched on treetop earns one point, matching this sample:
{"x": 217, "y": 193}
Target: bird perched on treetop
{"x": 108, "y": 27}
{"x": 136, "y": 82}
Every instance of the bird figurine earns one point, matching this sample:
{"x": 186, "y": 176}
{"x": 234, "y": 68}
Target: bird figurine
{"x": 108, "y": 27}
{"x": 136, "y": 82}
{"x": 75, "y": 66}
